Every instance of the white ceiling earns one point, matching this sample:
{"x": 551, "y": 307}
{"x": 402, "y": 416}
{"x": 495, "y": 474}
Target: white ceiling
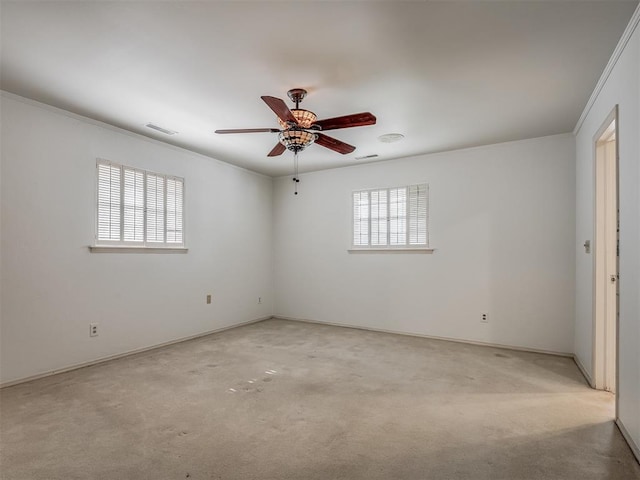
{"x": 447, "y": 74}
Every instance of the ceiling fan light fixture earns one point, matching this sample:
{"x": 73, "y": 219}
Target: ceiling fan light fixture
{"x": 296, "y": 140}
{"x": 305, "y": 118}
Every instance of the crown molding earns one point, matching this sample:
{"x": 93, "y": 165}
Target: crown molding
{"x": 626, "y": 36}
{"x": 123, "y": 131}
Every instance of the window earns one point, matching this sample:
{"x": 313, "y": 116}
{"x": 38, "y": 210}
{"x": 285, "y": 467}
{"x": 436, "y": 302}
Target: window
{"x": 138, "y": 208}
{"x": 391, "y": 218}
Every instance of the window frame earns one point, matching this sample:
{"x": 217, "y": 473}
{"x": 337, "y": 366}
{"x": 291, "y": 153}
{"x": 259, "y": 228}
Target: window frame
{"x": 104, "y": 245}
{"x": 388, "y": 247}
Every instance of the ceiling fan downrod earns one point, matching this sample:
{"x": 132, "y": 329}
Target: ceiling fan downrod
{"x": 297, "y": 95}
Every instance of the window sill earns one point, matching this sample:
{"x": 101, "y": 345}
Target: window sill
{"x": 130, "y": 249}
{"x": 391, "y": 250}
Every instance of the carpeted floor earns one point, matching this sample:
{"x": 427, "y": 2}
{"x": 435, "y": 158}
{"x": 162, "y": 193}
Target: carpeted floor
{"x": 285, "y": 400}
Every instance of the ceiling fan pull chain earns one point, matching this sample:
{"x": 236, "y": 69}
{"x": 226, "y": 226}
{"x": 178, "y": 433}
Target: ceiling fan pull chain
{"x": 295, "y": 172}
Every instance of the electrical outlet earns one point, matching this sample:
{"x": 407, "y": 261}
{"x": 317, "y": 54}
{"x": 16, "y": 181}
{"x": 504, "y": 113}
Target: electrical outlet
{"x": 93, "y": 329}
{"x": 485, "y": 318}
{"x": 259, "y": 299}
{"x": 208, "y": 299}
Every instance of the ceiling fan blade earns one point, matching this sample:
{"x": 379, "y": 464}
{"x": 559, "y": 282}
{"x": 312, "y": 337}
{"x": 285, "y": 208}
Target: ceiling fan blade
{"x": 277, "y": 150}
{"x": 249, "y": 130}
{"x": 333, "y": 144}
{"x": 280, "y": 109}
{"x": 347, "y": 121}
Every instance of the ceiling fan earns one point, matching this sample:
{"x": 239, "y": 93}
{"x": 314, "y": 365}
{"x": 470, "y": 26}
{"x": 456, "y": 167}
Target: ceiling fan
{"x": 300, "y": 128}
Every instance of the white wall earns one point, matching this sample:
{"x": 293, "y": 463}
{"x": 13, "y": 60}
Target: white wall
{"x": 502, "y": 220}
{"x": 53, "y": 287}
{"x": 622, "y": 88}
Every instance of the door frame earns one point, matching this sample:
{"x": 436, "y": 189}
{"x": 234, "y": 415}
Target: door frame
{"x": 599, "y": 321}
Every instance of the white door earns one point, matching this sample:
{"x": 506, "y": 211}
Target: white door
{"x": 606, "y": 256}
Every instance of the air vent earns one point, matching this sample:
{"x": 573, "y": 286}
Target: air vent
{"x": 367, "y": 157}
{"x": 160, "y": 129}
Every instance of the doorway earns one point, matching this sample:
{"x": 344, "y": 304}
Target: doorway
{"x": 606, "y": 255}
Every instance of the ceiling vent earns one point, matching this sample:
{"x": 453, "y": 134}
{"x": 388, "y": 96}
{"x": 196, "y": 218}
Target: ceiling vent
{"x": 160, "y": 129}
{"x": 366, "y": 157}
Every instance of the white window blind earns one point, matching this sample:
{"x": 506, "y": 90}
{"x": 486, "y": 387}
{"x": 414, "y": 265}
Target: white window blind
{"x": 108, "y": 202}
{"x": 418, "y": 215}
{"x": 174, "y": 210}
{"x": 391, "y": 217}
{"x": 155, "y": 208}
{"x": 378, "y": 217}
{"x": 136, "y": 207}
{"x": 398, "y": 216}
{"x": 133, "y": 228}
{"x": 361, "y": 218}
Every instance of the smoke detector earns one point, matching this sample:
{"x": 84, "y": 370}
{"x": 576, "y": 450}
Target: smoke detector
{"x": 390, "y": 137}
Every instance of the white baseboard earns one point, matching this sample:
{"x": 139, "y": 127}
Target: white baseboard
{"x": 627, "y": 437}
{"x": 584, "y": 372}
{"x": 433, "y": 337}
{"x": 128, "y": 353}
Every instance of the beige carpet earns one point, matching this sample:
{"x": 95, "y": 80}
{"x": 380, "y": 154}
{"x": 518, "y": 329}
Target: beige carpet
{"x": 286, "y": 400}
